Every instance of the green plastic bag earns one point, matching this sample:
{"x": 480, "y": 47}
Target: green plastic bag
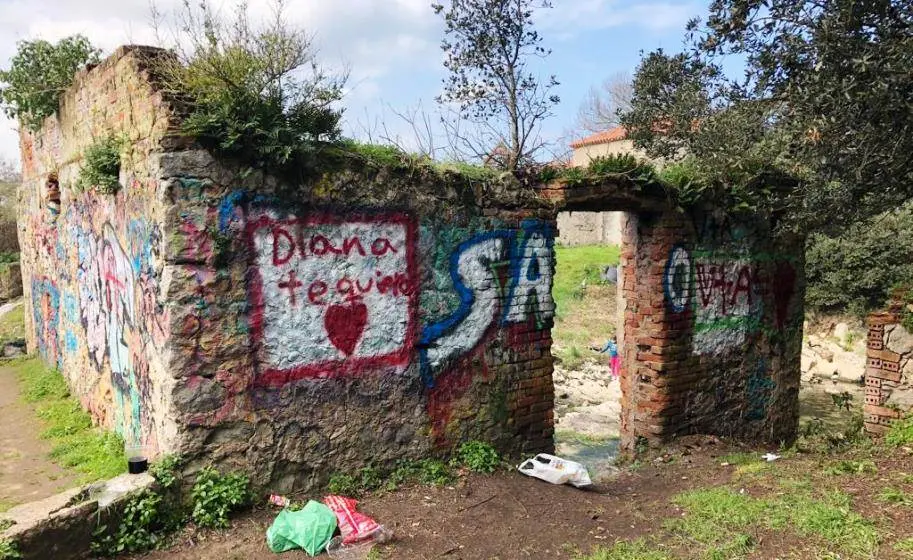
{"x": 311, "y": 528}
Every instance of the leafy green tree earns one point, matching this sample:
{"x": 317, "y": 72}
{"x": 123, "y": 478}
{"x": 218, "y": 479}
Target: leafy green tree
{"x": 257, "y": 94}
{"x": 39, "y": 73}
{"x": 856, "y": 270}
{"x": 825, "y": 98}
{"x": 487, "y": 49}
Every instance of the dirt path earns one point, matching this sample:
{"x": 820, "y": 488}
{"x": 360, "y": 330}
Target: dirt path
{"x": 26, "y": 472}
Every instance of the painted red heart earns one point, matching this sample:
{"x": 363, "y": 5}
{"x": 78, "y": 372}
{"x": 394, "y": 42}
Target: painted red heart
{"x": 345, "y": 324}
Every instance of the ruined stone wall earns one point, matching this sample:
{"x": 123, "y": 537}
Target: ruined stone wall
{"x": 366, "y": 317}
{"x": 92, "y": 267}
{"x": 589, "y": 228}
{"x": 713, "y": 325}
{"x": 370, "y": 314}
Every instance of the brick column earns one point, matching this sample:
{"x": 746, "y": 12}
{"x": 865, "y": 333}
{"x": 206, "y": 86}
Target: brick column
{"x": 653, "y": 355}
{"x": 882, "y": 373}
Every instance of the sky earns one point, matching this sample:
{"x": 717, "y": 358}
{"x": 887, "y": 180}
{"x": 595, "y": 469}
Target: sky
{"x": 391, "y": 48}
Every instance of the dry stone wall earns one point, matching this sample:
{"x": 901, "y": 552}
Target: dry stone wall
{"x": 370, "y": 314}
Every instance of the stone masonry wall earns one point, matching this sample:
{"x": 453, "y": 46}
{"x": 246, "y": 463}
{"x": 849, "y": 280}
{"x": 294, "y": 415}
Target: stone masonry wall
{"x": 92, "y": 267}
{"x": 589, "y": 228}
{"x": 368, "y": 317}
{"x": 370, "y": 314}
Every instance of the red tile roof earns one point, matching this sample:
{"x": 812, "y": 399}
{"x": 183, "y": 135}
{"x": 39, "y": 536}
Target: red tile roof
{"x": 604, "y": 137}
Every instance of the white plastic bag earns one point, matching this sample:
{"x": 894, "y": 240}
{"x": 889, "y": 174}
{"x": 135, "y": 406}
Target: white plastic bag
{"x": 556, "y": 470}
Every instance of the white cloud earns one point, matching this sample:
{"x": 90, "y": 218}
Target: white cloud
{"x": 370, "y": 37}
{"x": 569, "y": 17}
{"x": 391, "y": 47}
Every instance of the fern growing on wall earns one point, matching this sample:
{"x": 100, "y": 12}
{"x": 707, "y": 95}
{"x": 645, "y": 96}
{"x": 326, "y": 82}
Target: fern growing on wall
{"x": 101, "y": 166}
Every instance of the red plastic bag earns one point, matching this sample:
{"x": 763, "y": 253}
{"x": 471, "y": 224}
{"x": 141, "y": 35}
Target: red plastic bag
{"x": 354, "y": 526}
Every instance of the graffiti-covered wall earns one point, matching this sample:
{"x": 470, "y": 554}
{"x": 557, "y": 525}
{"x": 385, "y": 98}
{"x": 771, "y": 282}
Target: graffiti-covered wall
{"x": 92, "y": 264}
{"x": 716, "y": 347}
{"x": 313, "y": 334}
{"x": 369, "y": 313}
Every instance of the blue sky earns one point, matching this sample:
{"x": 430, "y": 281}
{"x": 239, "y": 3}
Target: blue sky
{"x": 391, "y": 47}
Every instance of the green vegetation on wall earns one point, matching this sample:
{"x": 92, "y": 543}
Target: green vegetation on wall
{"x": 101, "y": 165}
{"x": 258, "y": 95}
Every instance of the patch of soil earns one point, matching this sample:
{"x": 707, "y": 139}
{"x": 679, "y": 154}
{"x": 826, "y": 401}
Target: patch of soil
{"x": 26, "y": 473}
{"x": 504, "y": 516}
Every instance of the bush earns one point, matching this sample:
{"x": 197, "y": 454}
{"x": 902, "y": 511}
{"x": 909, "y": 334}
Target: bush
{"x": 141, "y": 528}
{"x": 855, "y": 271}
{"x": 625, "y": 164}
{"x": 257, "y": 95}
{"x": 39, "y": 73}
{"x": 344, "y": 484}
{"x": 101, "y": 166}
{"x": 478, "y": 456}
{"x": 215, "y": 495}
{"x": 166, "y": 470}
{"x": 9, "y": 240}
{"x": 9, "y": 550}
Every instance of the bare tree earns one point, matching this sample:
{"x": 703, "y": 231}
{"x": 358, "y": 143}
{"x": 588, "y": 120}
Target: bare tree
{"x": 603, "y": 105}
{"x": 487, "y": 48}
{"x": 9, "y": 171}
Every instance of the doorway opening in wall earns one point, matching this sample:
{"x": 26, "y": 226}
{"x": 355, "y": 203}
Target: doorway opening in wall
{"x": 587, "y": 326}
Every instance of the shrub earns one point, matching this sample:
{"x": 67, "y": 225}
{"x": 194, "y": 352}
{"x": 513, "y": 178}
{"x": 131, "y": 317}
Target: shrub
{"x": 435, "y": 472}
{"x": 624, "y": 164}
{"x": 39, "y": 73}
{"x": 9, "y": 550}
{"x": 214, "y": 496}
{"x": 478, "y": 456}
{"x": 855, "y": 271}
{"x": 141, "y": 527}
{"x": 166, "y": 470}
{"x": 258, "y": 95}
{"x": 9, "y": 235}
{"x": 101, "y": 165}
{"x": 344, "y": 485}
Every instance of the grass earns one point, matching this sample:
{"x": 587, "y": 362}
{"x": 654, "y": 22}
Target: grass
{"x": 901, "y": 432}
{"x": 575, "y": 265}
{"x": 628, "y": 550}
{"x": 722, "y": 520}
{"x": 94, "y": 453}
{"x": 848, "y": 466}
{"x": 371, "y": 479}
{"x": 585, "y": 306}
{"x": 895, "y": 496}
{"x": 904, "y": 545}
{"x": 12, "y": 325}
{"x": 740, "y": 458}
